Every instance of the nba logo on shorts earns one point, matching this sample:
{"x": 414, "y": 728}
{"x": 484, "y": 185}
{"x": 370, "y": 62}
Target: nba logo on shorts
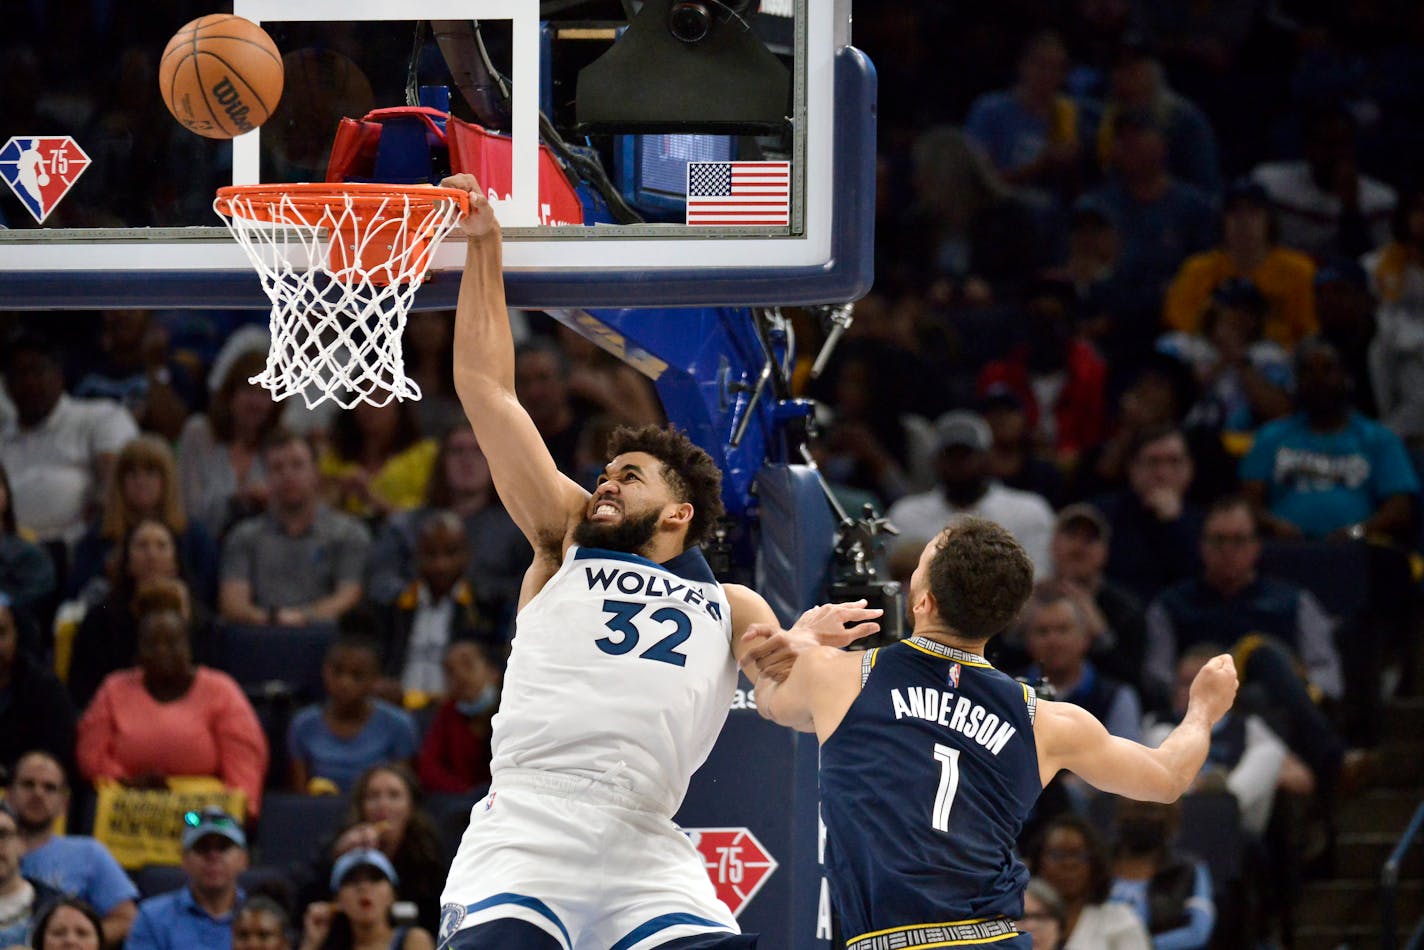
{"x": 954, "y": 675}
{"x": 41, "y": 169}
{"x": 451, "y": 917}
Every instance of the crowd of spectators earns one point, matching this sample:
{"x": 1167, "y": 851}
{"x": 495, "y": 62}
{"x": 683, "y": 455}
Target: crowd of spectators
{"x": 1153, "y": 306}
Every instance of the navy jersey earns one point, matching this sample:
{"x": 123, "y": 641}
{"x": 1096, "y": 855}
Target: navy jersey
{"x": 924, "y": 787}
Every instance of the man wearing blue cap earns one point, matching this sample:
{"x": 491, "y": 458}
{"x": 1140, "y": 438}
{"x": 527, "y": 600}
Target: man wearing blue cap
{"x": 200, "y": 914}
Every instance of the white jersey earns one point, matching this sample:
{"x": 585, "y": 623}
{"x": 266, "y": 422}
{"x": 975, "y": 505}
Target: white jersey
{"x": 622, "y": 671}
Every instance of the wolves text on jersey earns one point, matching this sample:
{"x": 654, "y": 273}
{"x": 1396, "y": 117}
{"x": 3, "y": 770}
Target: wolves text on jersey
{"x": 961, "y": 715}
{"x": 637, "y": 583}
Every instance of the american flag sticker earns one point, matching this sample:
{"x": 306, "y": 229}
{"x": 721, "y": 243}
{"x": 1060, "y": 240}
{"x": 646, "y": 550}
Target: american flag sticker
{"x": 739, "y": 193}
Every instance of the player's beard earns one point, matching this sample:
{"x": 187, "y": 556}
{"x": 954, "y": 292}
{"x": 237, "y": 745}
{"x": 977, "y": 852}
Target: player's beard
{"x": 628, "y": 536}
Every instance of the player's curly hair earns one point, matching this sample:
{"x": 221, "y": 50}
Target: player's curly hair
{"x": 688, "y": 470}
{"x": 980, "y": 578}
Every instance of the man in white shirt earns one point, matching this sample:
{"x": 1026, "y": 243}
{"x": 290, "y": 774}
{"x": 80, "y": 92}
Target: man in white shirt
{"x": 1324, "y": 204}
{"x": 58, "y": 450}
{"x": 963, "y": 440}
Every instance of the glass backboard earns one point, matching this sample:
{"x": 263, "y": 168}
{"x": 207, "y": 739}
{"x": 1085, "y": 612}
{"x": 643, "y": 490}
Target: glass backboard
{"x": 640, "y": 113}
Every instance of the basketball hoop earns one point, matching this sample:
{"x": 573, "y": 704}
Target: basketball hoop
{"x": 341, "y": 264}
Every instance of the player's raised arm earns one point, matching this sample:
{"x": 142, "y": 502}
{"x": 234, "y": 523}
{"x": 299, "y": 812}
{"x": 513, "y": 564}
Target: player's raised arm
{"x": 1070, "y": 738}
{"x": 542, "y": 501}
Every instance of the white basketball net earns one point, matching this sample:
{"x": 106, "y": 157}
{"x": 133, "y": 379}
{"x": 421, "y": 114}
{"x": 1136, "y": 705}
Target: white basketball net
{"x": 341, "y": 274}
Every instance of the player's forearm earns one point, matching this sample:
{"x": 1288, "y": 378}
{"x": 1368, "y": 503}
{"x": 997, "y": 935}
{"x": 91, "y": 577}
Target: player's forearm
{"x": 1181, "y": 756}
{"x": 775, "y": 703}
{"x": 484, "y": 345}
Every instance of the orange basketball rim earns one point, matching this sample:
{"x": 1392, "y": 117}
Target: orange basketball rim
{"x": 376, "y": 233}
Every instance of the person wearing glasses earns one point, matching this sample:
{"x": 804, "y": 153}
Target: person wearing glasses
{"x": 75, "y": 864}
{"x": 21, "y": 898}
{"x": 200, "y": 913}
{"x": 1273, "y": 626}
{"x": 1071, "y": 857}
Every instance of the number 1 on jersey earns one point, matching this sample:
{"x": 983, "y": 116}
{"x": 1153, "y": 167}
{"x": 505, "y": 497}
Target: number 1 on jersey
{"x": 948, "y": 785}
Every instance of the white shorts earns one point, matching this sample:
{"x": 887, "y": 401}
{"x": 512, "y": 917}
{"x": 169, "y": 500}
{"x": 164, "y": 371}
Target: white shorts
{"x": 588, "y": 863}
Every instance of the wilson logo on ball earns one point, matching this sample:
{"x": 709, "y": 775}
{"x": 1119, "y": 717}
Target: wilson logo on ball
{"x": 227, "y": 96}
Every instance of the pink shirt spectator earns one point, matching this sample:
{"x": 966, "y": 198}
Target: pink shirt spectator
{"x": 211, "y": 730}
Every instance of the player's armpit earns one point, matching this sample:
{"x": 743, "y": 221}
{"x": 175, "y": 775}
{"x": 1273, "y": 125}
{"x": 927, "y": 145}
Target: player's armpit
{"x": 1069, "y": 737}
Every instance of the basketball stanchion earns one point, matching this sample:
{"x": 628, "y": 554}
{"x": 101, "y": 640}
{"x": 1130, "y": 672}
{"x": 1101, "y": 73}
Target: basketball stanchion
{"x": 341, "y": 264}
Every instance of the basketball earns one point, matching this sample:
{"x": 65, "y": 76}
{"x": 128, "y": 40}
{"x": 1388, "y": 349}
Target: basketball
{"x": 221, "y": 76}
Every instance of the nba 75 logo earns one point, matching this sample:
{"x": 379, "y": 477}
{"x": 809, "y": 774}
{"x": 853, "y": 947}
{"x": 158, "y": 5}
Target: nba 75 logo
{"x": 41, "y": 169}
{"x": 736, "y": 862}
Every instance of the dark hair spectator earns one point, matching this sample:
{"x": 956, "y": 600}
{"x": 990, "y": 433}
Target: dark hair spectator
{"x": 459, "y": 482}
{"x": 261, "y": 923}
{"x": 1249, "y": 250}
{"x": 300, "y": 562}
{"x": 364, "y": 890}
{"x": 333, "y": 742}
{"x": 220, "y": 453}
{"x": 37, "y": 713}
{"x": 437, "y": 609}
{"x": 377, "y": 461}
{"x": 387, "y": 813}
{"x": 60, "y": 449}
{"x": 455, "y": 754}
{"x": 144, "y": 485}
{"x": 426, "y": 346}
{"x": 75, "y": 864}
{"x": 27, "y": 580}
{"x": 1153, "y": 513}
{"x": 135, "y": 368}
{"x": 168, "y": 717}
{"x": 67, "y": 924}
{"x": 1326, "y": 205}
{"x": 1170, "y": 892}
{"x": 1071, "y": 857}
{"x": 145, "y": 573}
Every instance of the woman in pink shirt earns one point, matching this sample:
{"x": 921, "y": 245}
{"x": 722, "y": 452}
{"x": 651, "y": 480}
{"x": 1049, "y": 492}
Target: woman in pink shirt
{"x": 167, "y": 717}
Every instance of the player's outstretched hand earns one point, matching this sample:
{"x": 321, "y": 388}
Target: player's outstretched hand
{"x": 1214, "y": 689}
{"x": 829, "y": 623}
{"x": 481, "y": 219}
{"x": 772, "y": 651}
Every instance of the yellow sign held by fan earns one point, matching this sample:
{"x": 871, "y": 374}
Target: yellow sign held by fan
{"x": 143, "y": 826}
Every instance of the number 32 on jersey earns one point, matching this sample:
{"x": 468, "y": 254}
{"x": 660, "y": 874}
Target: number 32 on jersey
{"x": 623, "y": 613}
